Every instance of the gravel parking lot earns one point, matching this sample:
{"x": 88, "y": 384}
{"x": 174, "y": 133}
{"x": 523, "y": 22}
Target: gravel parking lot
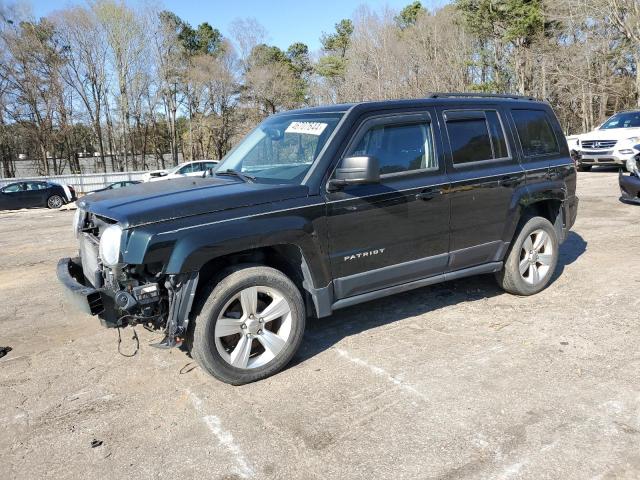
{"x": 459, "y": 380}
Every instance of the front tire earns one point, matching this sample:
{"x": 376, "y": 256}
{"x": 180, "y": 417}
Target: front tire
{"x": 248, "y": 325}
{"x": 54, "y": 202}
{"x": 532, "y": 258}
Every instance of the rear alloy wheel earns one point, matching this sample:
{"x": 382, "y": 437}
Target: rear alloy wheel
{"x": 250, "y": 326}
{"x": 55, "y": 201}
{"x": 536, "y": 255}
{"x": 532, "y": 258}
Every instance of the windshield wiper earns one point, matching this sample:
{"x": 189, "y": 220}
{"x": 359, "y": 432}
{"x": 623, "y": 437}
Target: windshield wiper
{"x": 236, "y": 173}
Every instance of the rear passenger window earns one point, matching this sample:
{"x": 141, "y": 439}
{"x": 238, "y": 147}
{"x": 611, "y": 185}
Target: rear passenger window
{"x": 535, "y": 132}
{"x": 475, "y": 136}
{"x": 35, "y": 186}
{"x": 398, "y": 147}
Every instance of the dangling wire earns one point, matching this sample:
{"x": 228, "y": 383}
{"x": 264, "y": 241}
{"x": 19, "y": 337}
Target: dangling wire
{"x": 135, "y": 337}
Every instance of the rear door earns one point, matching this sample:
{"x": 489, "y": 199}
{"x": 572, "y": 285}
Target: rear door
{"x": 396, "y": 231}
{"x": 35, "y": 194}
{"x": 484, "y": 170}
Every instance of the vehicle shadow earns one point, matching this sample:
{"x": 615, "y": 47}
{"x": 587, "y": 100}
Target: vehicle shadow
{"x": 572, "y": 248}
{"x": 322, "y": 334}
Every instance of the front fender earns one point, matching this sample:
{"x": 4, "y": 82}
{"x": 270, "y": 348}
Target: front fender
{"x": 188, "y": 245}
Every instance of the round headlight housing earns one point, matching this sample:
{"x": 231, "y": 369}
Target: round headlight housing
{"x": 110, "y": 245}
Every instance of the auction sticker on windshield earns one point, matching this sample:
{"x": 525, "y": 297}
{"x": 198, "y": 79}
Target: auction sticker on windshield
{"x": 310, "y": 128}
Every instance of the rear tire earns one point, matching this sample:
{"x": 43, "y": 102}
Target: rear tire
{"x": 249, "y": 325}
{"x": 532, "y": 258}
{"x": 55, "y": 202}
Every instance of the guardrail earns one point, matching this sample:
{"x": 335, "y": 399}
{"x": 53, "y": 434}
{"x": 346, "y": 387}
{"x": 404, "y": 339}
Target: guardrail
{"x": 83, "y": 183}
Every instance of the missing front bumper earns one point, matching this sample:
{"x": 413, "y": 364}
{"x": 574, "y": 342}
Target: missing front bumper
{"x": 86, "y": 298}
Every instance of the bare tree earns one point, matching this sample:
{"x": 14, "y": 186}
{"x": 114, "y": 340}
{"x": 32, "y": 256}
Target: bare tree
{"x": 246, "y": 33}
{"x": 126, "y": 39}
{"x": 626, "y": 17}
{"x": 86, "y": 65}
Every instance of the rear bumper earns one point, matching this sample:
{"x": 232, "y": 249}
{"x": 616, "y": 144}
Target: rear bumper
{"x": 570, "y": 207}
{"x": 629, "y": 187}
{"x": 85, "y": 298}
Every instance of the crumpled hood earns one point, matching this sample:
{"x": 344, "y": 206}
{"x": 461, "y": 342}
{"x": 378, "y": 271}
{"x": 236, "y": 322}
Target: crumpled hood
{"x": 154, "y": 202}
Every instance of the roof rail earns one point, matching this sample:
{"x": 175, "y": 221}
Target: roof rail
{"x": 481, "y": 95}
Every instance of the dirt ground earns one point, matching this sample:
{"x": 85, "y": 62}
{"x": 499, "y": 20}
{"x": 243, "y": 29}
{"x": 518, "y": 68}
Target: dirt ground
{"x": 455, "y": 381}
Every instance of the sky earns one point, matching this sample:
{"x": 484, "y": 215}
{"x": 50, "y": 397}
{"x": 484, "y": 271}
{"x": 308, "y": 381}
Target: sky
{"x": 286, "y": 21}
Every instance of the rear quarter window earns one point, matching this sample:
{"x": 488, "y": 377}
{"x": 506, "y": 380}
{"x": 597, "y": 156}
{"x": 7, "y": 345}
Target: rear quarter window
{"x": 535, "y": 132}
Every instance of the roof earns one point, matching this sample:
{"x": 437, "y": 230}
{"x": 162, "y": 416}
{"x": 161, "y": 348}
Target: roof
{"x": 455, "y": 98}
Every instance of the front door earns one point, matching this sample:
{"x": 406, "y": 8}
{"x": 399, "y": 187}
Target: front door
{"x": 11, "y": 196}
{"x": 396, "y": 231}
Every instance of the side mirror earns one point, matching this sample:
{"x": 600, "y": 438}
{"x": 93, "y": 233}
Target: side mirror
{"x": 359, "y": 170}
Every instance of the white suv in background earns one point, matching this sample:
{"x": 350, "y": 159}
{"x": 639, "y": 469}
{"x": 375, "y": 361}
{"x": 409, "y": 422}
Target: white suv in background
{"x": 612, "y": 143}
{"x": 188, "y": 169}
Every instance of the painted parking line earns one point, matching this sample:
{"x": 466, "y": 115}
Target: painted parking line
{"x": 225, "y": 438}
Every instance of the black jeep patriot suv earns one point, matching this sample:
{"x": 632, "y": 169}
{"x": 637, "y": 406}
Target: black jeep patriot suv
{"x": 323, "y": 208}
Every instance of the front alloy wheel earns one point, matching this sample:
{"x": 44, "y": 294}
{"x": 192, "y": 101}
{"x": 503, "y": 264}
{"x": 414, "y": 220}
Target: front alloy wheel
{"x": 248, "y": 325}
{"x": 253, "y": 327}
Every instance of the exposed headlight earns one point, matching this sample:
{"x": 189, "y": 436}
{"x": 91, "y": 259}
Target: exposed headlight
{"x": 632, "y": 165}
{"x": 110, "y": 245}
{"x": 77, "y": 218}
{"x": 632, "y": 139}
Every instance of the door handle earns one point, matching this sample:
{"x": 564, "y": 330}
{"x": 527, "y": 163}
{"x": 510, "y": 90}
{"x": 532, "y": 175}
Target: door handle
{"x": 428, "y": 194}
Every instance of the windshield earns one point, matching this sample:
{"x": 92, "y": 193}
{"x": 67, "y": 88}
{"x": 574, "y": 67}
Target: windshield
{"x": 175, "y": 169}
{"x": 282, "y": 148}
{"x": 622, "y": 120}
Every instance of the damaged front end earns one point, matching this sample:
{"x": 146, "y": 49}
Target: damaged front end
{"x": 99, "y": 283}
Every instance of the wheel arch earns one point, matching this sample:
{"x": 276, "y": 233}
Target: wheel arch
{"x": 288, "y": 258}
{"x": 544, "y": 200}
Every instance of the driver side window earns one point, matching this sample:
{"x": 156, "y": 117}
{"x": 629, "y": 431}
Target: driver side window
{"x": 398, "y": 147}
{"x": 16, "y": 187}
{"x": 186, "y": 169}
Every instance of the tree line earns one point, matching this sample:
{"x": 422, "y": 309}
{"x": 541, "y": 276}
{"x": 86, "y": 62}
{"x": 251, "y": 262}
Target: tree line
{"x": 138, "y": 87}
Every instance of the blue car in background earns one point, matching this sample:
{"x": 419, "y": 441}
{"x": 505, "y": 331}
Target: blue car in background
{"x": 35, "y": 194}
